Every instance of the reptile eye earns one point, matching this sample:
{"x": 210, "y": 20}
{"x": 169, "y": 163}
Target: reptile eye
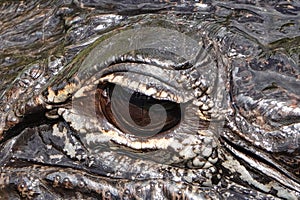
{"x": 135, "y": 113}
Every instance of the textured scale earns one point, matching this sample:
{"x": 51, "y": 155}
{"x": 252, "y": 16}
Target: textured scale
{"x": 232, "y": 66}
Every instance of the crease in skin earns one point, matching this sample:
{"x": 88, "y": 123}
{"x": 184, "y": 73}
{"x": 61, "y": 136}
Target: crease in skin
{"x": 289, "y": 83}
{"x": 272, "y": 172}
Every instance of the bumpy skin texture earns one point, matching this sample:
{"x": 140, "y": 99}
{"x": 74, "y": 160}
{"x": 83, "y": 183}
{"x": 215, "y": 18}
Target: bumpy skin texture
{"x": 237, "y": 80}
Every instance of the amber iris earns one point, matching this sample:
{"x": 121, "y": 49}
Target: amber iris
{"x": 136, "y": 113}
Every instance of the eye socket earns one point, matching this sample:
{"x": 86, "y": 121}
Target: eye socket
{"x": 135, "y": 113}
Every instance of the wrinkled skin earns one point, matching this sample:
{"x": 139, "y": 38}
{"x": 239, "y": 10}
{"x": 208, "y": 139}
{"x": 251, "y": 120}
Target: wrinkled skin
{"x": 237, "y": 86}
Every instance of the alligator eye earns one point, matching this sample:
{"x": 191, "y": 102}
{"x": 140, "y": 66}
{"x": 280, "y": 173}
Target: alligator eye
{"x": 135, "y": 113}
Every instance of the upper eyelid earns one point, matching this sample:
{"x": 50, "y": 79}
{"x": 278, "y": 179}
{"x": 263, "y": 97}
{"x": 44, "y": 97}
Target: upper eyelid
{"x": 150, "y": 80}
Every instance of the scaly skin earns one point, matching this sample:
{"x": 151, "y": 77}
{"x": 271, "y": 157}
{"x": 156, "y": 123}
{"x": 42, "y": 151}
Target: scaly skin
{"x": 233, "y": 69}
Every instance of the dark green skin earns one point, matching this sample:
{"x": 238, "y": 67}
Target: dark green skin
{"x": 54, "y": 145}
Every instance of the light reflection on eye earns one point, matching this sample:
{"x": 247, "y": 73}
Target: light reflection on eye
{"x": 135, "y": 113}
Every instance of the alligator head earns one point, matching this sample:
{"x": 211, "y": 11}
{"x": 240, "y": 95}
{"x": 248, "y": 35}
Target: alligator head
{"x": 113, "y": 100}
